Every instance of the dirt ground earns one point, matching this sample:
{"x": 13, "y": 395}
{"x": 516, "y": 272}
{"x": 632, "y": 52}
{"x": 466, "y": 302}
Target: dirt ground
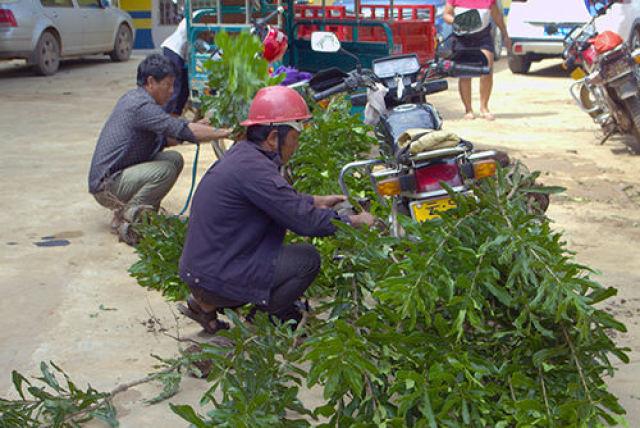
{"x": 55, "y": 296}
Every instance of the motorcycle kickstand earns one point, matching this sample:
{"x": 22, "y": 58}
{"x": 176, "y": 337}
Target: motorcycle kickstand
{"x": 606, "y": 137}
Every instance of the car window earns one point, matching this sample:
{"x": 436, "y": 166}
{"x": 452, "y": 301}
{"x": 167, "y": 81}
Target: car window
{"x": 89, "y": 3}
{"x": 57, "y": 3}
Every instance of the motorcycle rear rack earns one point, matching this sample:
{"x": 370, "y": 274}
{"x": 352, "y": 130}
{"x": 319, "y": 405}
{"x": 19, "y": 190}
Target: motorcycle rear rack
{"x": 368, "y": 165}
{"x": 434, "y": 194}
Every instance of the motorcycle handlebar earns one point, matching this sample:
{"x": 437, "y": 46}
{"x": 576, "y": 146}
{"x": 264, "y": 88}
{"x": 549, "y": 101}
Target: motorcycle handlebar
{"x": 458, "y": 70}
{"x": 342, "y": 87}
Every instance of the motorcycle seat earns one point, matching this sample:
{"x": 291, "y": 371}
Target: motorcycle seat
{"x": 419, "y": 140}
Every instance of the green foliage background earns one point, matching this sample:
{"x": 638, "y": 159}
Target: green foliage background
{"x": 236, "y": 78}
{"x": 159, "y": 253}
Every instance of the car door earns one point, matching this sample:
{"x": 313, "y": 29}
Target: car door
{"x": 98, "y": 25}
{"x": 64, "y": 16}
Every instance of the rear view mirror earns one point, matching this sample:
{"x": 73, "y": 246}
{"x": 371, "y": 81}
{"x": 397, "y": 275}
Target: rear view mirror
{"x": 324, "y": 41}
{"x": 467, "y": 22}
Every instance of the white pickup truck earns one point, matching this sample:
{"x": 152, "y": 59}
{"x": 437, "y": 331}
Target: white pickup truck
{"x": 538, "y": 27}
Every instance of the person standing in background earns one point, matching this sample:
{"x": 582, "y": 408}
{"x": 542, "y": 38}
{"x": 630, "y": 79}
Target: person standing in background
{"x": 479, "y": 39}
{"x": 174, "y": 48}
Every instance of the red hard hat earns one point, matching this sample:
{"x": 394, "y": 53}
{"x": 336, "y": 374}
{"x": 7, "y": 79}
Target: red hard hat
{"x": 277, "y": 104}
{"x": 275, "y": 44}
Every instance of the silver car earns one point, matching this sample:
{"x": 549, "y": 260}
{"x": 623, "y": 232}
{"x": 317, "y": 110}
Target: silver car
{"x": 45, "y": 31}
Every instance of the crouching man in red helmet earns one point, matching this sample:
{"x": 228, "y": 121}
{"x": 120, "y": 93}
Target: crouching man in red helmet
{"x": 234, "y": 252}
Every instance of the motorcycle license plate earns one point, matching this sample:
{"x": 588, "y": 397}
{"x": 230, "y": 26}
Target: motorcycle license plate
{"x": 578, "y": 74}
{"x": 428, "y": 210}
{"x": 557, "y": 31}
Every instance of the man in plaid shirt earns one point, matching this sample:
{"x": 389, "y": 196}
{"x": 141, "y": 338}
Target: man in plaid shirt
{"x": 130, "y": 172}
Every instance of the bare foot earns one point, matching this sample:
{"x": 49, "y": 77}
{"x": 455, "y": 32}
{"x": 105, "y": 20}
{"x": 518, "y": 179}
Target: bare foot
{"x": 469, "y": 115}
{"x": 487, "y": 115}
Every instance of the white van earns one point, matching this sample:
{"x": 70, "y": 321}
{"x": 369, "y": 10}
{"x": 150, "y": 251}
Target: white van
{"x": 538, "y": 27}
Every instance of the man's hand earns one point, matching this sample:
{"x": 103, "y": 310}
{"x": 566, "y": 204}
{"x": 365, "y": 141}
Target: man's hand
{"x": 222, "y": 132}
{"x": 328, "y": 201}
{"x": 507, "y": 42}
{"x": 205, "y": 133}
{"x": 364, "y": 218}
{"x": 204, "y": 121}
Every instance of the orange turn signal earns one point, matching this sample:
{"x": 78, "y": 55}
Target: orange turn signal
{"x": 389, "y": 186}
{"x": 484, "y": 168}
{"x": 637, "y": 59}
{"x": 323, "y": 103}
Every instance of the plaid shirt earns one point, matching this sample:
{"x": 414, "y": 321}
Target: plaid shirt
{"x": 133, "y": 134}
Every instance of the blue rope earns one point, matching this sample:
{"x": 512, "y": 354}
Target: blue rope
{"x": 193, "y": 180}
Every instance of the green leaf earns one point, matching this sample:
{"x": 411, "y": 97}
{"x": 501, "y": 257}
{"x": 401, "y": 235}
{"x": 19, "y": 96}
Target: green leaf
{"x": 500, "y": 293}
{"x": 188, "y": 414}
{"x": 49, "y": 378}
{"x": 17, "y": 379}
{"x": 600, "y": 295}
{"x": 547, "y": 354}
{"x": 547, "y": 190}
{"x": 427, "y": 410}
{"x": 326, "y": 410}
{"x": 458, "y": 326}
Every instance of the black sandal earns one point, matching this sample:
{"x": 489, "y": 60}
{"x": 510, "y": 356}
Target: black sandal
{"x": 196, "y": 313}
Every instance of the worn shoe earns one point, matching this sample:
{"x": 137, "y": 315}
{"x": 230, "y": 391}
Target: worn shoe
{"x": 136, "y": 213}
{"x": 208, "y": 320}
{"x": 127, "y": 234}
{"x": 116, "y": 221}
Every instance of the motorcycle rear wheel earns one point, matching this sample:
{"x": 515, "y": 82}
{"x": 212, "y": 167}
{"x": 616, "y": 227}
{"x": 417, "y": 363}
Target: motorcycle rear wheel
{"x": 632, "y": 105}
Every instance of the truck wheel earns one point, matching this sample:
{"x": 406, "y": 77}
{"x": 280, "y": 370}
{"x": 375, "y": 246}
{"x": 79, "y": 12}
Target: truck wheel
{"x": 519, "y": 64}
{"x": 632, "y": 106}
{"x": 497, "y": 44}
{"x": 46, "y": 57}
{"x": 123, "y": 44}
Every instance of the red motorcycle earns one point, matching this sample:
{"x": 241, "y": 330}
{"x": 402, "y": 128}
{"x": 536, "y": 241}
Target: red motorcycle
{"x": 607, "y": 77}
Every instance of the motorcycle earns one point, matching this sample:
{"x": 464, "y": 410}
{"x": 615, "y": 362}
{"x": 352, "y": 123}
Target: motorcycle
{"x": 607, "y": 76}
{"x": 417, "y": 156}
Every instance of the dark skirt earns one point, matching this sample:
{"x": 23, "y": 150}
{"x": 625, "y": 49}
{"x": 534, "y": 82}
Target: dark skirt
{"x": 480, "y": 40}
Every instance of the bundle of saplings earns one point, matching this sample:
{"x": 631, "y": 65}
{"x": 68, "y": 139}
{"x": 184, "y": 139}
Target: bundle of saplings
{"x": 481, "y": 319}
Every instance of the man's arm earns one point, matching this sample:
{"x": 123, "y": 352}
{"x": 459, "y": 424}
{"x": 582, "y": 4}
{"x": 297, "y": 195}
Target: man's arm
{"x": 447, "y": 14}
{"x": 272, "y": 194}
{"x": 330, "y": 201}
{"x": 204, "y": 132}
{"x": 151, "y": 117}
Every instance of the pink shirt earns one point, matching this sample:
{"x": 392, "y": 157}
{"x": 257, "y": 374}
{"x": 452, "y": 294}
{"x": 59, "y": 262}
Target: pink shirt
{"x": 483, "y": 7}
{"x": 472, "y": 4}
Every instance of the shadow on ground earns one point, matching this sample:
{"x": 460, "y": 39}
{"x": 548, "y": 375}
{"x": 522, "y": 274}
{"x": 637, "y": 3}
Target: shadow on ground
{"x": 554, "y": 70}
{"x": 22, "y": 69}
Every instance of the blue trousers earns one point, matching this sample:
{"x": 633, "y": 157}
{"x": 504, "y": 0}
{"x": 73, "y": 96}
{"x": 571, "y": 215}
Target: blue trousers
{"x": 175, "y": 105}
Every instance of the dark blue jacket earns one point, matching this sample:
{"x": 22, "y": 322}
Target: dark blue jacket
{"x": 239, "y": 216}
